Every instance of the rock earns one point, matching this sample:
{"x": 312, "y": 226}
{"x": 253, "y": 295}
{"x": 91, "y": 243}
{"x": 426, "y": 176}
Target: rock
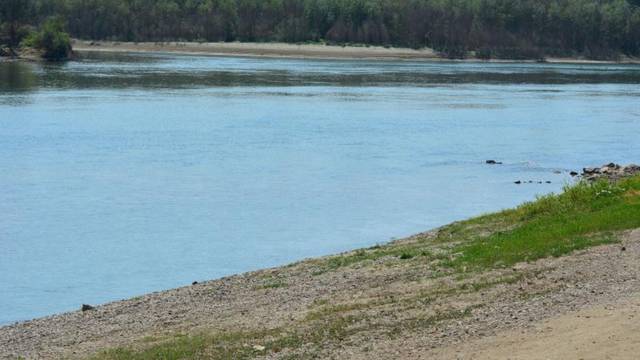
{"x": 631, "y": 169}
{"x": 86, "y": 307}
{"x": 493, "y": 162}
{"x": 518, "y": 182}
{"x": 548, "y": 182}
{"x": 573, "y": 173}
{"x": 623, "y": 249}
{"x": 258, "y": 348}
{"x": 611, "y": 171}
{"x": 194, "y": 283}
{"x": 7, "y": 52}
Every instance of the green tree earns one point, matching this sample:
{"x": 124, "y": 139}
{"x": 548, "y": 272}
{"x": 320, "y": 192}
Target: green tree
{"x": 491, "y": 28}
{"x": 13, "y": 13}
{"x": 52, "y": 40}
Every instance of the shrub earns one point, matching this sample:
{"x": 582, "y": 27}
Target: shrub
{"x": 483, "y": 53}
{"x": 51, "y": 39}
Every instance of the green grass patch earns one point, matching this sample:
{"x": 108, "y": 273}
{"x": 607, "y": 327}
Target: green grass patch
{"x": 397, "y": 329}
{"x": 583, "y": 215}
{"x": 231, "y": 345}
{"x": 402, "y": 252}
{"x": 274, "y": 285}
{"x": 272, "y": 282}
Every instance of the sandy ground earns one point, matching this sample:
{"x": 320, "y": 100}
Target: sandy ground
{"x": 609, "y": 331}
{"x": 284, "y": 50}
{"x": 260, "y": 49}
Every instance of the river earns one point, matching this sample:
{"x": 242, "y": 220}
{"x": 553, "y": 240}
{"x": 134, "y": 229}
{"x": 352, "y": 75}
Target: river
{"x": 122, "y": 174}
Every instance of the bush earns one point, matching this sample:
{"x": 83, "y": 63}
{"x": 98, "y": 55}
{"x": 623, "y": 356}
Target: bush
{"x": 483, "y": 53}
{"x": 55, "y": 43}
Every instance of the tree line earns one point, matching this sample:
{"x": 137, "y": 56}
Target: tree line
{"x": 490, "y": 28}
{"x": 18, "y": 29}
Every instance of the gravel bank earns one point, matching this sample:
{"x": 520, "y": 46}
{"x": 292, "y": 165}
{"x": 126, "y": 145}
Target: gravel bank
{"x": 380, "y": 296}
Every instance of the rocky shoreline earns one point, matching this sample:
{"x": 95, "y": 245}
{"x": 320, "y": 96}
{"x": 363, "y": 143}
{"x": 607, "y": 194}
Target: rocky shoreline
{"x": 611, "y": 171}
{"x": 514, "y": 298}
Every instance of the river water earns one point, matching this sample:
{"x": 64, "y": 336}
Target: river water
{"x": 129, "y": 173}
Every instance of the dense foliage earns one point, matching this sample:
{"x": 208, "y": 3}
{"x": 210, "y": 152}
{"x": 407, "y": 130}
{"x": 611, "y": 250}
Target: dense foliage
{"x": 492, "y": 28}
{"x": 51, "y": 39}
{"x": 13, "y": 13}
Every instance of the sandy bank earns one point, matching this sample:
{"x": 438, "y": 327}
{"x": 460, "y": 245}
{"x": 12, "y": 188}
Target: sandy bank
{"x": 606, "y": 331}
{"x": 304, "y": 51}
{"x": 261, "y": 50}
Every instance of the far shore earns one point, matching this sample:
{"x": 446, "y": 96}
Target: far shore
{"x": 301, "y": 51}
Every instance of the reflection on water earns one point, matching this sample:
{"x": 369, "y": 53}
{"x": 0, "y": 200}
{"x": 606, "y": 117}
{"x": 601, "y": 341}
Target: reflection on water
{"x": 103, "y": 70}
{"x": 16, "y": 79}
{"x": 16, "y": 76}
{"x": 127, "y": 173}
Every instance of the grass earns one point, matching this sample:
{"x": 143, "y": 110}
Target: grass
{"x": 230, "y": 345}
{"x": 271, "y": 283}
{"x": 402, "y": 252}
{"x": 583, "y": 215}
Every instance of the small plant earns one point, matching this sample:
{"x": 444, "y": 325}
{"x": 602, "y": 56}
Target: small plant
{"x": 406, "y": 256}
{"x": 274, "y": 285}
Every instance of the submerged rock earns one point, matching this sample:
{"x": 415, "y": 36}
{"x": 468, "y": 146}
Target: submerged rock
{"x": 493, "y": 162}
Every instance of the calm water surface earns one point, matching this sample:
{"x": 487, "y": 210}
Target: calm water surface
{"x": 124, "y": 174}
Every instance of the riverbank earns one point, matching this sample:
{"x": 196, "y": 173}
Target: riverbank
{"x": 301, "y": 51}
{"x": 502, "y": 273}
{"x": 29, "y": 55}
{"x": 277, "y": 50}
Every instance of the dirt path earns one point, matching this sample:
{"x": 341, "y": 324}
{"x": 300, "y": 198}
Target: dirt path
{"x": 609, "y": 331}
